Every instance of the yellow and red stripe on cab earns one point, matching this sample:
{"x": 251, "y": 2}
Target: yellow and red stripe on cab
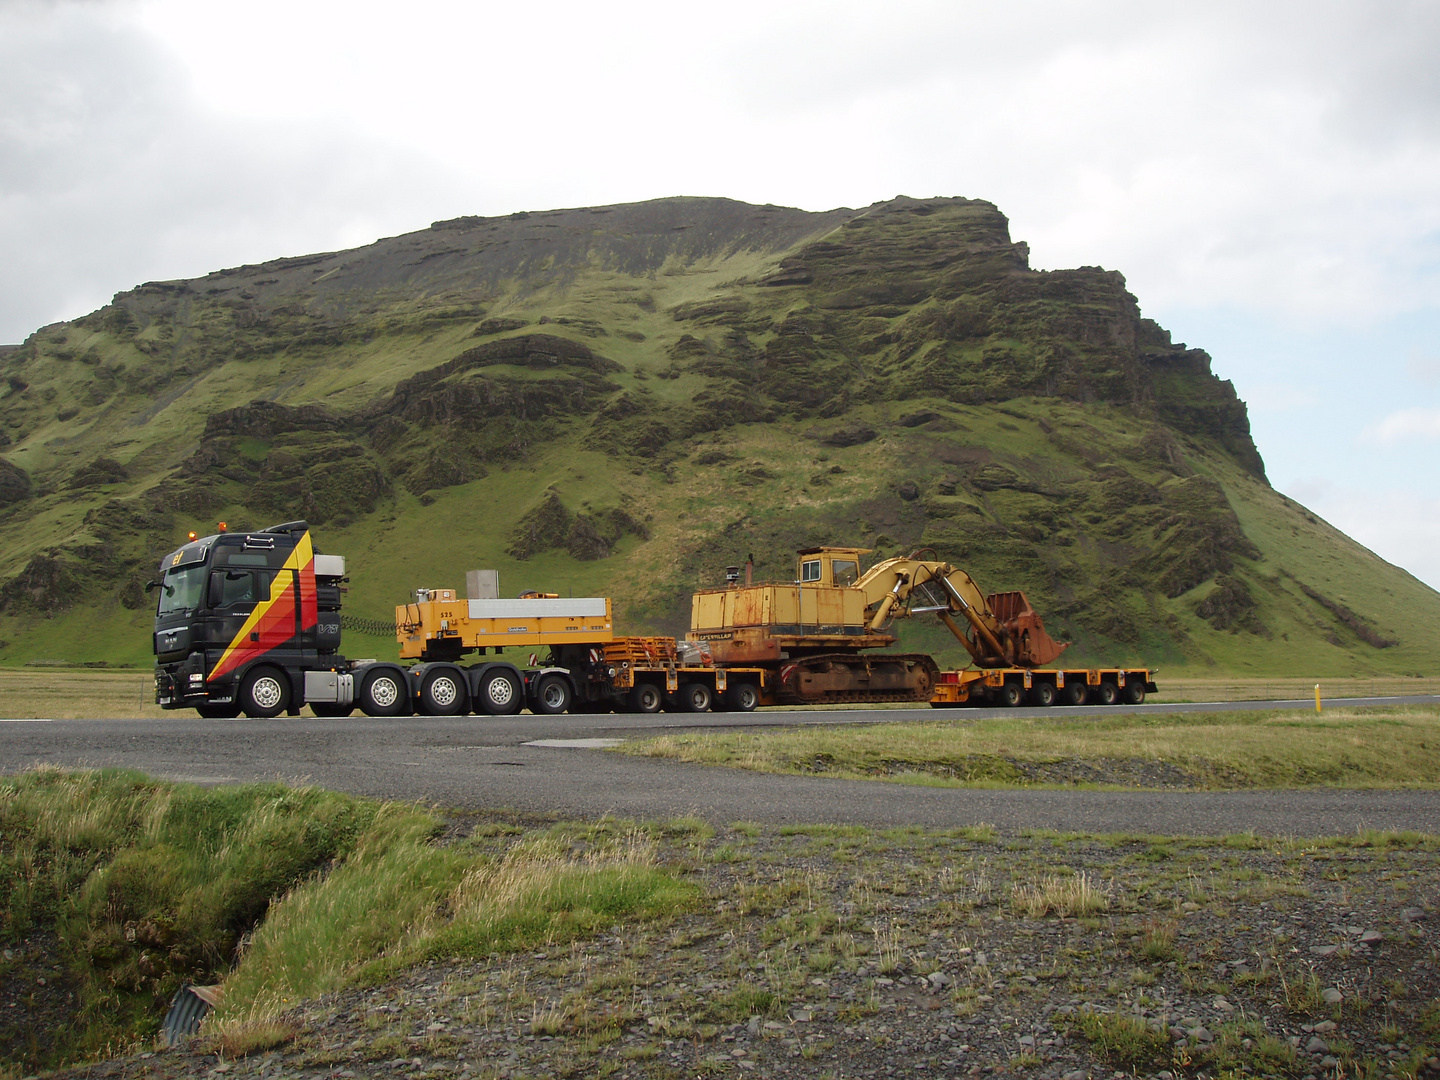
{"x": 273, "y": 623}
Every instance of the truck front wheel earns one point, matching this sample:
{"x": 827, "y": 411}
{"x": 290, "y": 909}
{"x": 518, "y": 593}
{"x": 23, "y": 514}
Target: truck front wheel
{"x": 382, "y": 694}
{"x": 264, "y": 694}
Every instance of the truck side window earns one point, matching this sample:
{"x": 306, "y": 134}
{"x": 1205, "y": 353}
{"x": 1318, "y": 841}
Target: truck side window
{"x": 810, "y": 570}
{"x": 844, "y": 572}
{"x": 235, "y": 587}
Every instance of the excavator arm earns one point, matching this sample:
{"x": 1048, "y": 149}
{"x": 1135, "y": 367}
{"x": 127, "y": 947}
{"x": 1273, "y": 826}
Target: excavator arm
{"x": 1000, "y": 630}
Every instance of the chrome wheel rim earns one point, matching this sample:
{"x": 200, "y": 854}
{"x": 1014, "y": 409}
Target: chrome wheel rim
{"x": 501, "y": 691}
{"x": 266, "y": 692}
{"x": 384, "y": 693}
{"x": 444, "y": 692}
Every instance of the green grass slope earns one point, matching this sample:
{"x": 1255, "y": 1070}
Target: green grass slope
{"x": 622, "y": 400}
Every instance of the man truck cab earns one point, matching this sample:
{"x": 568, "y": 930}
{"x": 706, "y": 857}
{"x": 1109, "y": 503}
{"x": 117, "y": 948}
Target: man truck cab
{"x": 250, "y": 622}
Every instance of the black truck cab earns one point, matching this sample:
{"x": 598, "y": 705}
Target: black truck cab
{"x": 243, "y": 622}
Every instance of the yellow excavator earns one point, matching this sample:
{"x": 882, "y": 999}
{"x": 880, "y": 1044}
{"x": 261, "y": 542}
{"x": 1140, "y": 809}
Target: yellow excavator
{"x": 816, "y": 630}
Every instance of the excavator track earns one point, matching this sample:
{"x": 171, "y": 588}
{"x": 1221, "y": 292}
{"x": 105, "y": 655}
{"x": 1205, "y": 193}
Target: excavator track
{"x": 847, "y": 678}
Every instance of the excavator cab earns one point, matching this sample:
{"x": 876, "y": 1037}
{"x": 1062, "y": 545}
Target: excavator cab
{"x": 835, "y": 566}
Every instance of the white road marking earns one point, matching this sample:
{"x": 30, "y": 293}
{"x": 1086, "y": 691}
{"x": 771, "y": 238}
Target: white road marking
{"x": 576, "y": 744}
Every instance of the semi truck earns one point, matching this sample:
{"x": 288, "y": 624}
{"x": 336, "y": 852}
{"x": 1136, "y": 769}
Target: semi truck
{"x": 249, "y": 622}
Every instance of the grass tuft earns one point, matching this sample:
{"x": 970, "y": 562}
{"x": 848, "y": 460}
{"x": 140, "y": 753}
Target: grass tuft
{"x": 1123, "y": 1040}
{"x": 1072, "y": 895}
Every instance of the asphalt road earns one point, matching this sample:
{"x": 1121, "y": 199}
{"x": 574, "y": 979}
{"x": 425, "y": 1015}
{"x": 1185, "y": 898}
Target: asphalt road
{"x": 476, "y": 763}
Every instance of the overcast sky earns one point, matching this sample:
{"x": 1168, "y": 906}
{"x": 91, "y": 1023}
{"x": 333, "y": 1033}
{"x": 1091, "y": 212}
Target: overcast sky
{"x": 1266, "y": 175}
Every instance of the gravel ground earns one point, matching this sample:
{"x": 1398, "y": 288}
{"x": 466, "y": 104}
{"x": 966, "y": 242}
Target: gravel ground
{"x": 848, "y": 952}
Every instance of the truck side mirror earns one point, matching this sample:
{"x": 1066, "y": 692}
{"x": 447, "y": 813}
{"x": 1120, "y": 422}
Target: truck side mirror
{"x": 216, "y": 592}
{"x": 151, "y": 585}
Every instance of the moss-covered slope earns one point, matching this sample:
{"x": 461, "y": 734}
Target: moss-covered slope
{"x": 622, "y": 400}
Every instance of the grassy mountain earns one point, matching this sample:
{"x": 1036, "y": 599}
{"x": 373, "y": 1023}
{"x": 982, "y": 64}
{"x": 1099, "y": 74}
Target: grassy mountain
{"x": 621, "y": 400}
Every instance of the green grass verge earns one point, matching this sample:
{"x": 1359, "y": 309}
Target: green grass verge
{"x": 1391, "y": 747}
{"x": 115, "y": 889}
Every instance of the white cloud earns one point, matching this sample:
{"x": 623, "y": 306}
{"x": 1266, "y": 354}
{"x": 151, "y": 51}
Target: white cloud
{"x": 1281, "y": 157}
{"x": 1405, "y": 424}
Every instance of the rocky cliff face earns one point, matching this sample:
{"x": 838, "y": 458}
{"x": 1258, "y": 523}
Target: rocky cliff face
{"x": 633, "y": 396}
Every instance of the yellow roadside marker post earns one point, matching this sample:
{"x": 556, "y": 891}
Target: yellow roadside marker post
{"x": 1317, "y": 697}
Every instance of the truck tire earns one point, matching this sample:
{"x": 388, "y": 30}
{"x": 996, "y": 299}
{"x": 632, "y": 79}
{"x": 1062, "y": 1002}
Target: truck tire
{"x": 1042, "y": 694}
{"x": 1134, "y": 692}
{"x": 383, "y": 694}
{"x": 329, "y": 709}
{"x": 694, "y": 697}
{"x": 442, "y": 693}
{"x": 264, "y": 693}
{"x": 500, "y": 694}
{"x": 1075, "y": 692}
{"x": 1107, "y": 693}
{"x": 1010, "y": 695}
{"x": 219, "y": 712}
{"x": 742, "y": 696}
{"x": 552, "y": 695}
{"x": 645, "y": 698}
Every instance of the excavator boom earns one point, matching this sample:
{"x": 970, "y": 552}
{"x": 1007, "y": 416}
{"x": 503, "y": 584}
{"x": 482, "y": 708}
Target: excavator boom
{"x": 1003, "y": 629}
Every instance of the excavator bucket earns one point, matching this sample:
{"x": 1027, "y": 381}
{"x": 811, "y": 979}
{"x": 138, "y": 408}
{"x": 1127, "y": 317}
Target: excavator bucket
{"x": 1033, "y": 646}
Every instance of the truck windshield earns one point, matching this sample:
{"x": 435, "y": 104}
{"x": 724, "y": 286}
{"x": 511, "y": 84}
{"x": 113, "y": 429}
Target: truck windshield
{"x": 181, "y": 590}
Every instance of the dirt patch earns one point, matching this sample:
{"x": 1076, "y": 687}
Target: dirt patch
{"x": 37, "y": 996}
{"x": 840, "y": 952}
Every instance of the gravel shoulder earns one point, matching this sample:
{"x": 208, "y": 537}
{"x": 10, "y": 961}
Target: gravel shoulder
{"x": 833, "y": 951}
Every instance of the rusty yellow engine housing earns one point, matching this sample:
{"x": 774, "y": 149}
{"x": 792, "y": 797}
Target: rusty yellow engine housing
{"x": 758, "y": 623}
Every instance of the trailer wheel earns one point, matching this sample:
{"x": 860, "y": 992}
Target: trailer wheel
{"x": 442, "y": 693}
{"x": 1075, "y": 692}
{"x": 330, "y": 709}
{"x": 742, "y": 696}
{"x": 694, "y": 697}
{"x": 219, "y": 712}
{"x": 1042, "y": 694}
{"x": 264, "y": 694}
{"x": 645, "y": 698}
{"x": 1134, "y": 692}
{"x": 382, "y": 694}
{"x": 1010, "y": 695}
{"x": 552, "y": 695}
{"x": 500, "y": 694}
{"x": 1107, "y": 693}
